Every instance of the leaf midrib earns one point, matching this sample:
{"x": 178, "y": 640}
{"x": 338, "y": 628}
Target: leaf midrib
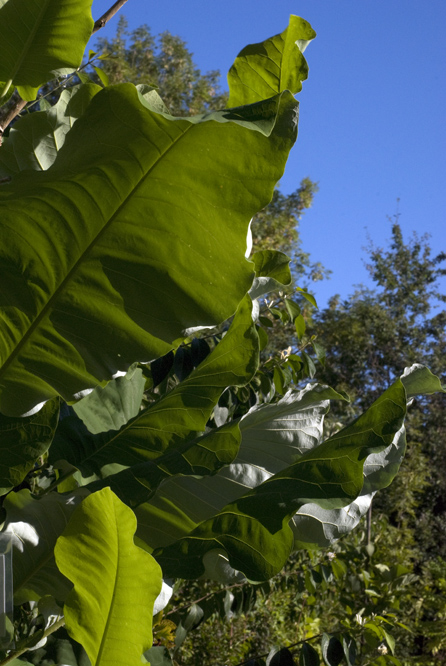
{"x": 31, "y": 36}
{"x": 48, "y": 306}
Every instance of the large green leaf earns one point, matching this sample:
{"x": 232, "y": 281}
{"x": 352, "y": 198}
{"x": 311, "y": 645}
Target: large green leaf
{"x": 35, "y": 525}
{"x": 35, "y": 139}
{"x": 40, "y": 39}
{"x": 314, "y": 526}
{"x": 177, "y": 416}
{"x": 265, "y": 69}
{"x": 134, "y": 235}
{"x": 273, "y": 437}
{"x": 200, "y": 457}
{"x": 109, "y": 611}
{"x": 254, "y": 530}
{"x": 113, "y": 406}
{"x": 23, "y": 441}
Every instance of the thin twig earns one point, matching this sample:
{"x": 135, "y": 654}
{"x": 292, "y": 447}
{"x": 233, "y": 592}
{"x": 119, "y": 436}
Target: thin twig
{"x": 12, "y": 113}
{"x": 16, "y": 653}
{"x": 108, "y": 15}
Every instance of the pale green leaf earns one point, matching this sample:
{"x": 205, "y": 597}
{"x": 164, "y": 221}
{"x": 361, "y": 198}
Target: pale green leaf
{"x": 102, "y": 76}
{"x": 113, "y": 406}
{"x": 309, "y": 297}
{"x": 41, "y": 39}
{"x": 300, "y": 326}
{"x": 35, "y": 139}
{"x": 110, "y": 609}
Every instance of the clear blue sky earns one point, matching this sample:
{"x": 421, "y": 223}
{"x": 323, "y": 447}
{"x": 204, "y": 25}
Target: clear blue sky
{"x": 372, "y": 113}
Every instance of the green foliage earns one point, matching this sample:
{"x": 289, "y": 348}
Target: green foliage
{"x": 56, "y": 30}
{"x": 124, "y": 233}
{"x": 110, "y": 608}
{"x": 163, "y": 62}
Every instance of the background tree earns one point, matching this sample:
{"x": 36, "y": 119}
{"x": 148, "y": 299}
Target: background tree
{"x": 165, "y": 63}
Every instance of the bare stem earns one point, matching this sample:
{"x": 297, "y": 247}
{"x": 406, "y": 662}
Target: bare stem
{"x": 108, "y": 15}
{"x": 12, "y": 113}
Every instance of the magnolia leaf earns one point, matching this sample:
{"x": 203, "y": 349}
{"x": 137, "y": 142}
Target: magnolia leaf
{"x": 254, "y": 529}
{"x": 126, "y": 179}
{"x": 23, "y": 441}
{"x": 113, "y": 406}
{"x": 419, "y": 380}
{"x": 332, "y": 650}
{"x": 41, "y": 40}
{"x": 308, "y": 656}
{"x": 110, "y": 609}
{"x": 314, "y": 526}
{"x": 309, "y": 297}
{"x": 265, "y": 69}
{"x": 272, "y": 264}
{"x": 35, "y": 525}
{"x": 158, "y": 656}
{"x": 280, "y": 657}
{"x": 264, "y": 285}
{"x": 273, "y": 436}
{"x": 300, "y": 326}
{"x": 176, "y": 417}
{"x": 35, "y": 139}
{"x": 293, "y": 309}
{"x": 203, "y": 456}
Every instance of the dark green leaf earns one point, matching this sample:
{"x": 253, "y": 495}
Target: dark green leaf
{"x": 332, "y": 650}
{"x": 23, "y": 441}
{"x": 158, "y": 656}
{"x": 177, "y": 417}
{"x": 349, "y": 645}
{"x": 293, "y": 309}
{"x": 308, "y": 656}
{"x": 310, "y": 368}
{"x": 279, "y": 380}
{"x": 280, "y": 657}
{"x": 183, "y": 363}
{"x": 320, "y": 351}
{"x": 200, "y": 350}
{"x": 161, "y": 367}
{"x": 264, "y": 512}
{"x": 263, "y": 337}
